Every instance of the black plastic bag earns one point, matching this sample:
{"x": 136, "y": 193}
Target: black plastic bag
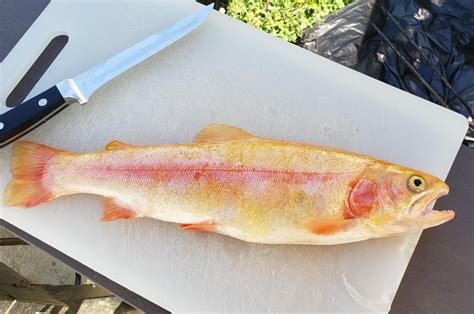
{"x": 423, "y": 47}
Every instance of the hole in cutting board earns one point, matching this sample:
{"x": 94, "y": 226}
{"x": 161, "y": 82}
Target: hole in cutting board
{"x": 36, "y": 71}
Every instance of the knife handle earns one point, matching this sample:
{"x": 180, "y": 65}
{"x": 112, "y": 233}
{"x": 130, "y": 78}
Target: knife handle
{"x": 23, "y": 118}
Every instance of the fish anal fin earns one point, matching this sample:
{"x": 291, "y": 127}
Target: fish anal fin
{"x": 220, "y": 132}
{"x": 116, "y": 145}
{"x": 201, "y": 227}
{"x": 114, "y": 211}
{"x": 329, "y": 226}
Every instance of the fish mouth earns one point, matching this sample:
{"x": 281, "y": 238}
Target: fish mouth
{"x": 421, "y": 215}
{"x": 429, "y": 203}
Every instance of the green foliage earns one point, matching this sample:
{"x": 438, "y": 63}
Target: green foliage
{"x": 283, "y": 18}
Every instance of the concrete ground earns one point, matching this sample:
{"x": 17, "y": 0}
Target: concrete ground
{"x": 40, "y": 268}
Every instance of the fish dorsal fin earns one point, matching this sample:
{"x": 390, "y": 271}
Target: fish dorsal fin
{"x": 116, "y": 145}
{"x": 220, "y": 132}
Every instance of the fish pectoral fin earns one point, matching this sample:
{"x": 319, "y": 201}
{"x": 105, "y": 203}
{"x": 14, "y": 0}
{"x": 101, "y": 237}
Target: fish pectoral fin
{"x": 201, "y": 227}
{"x": 329, "y": 226}
{"x": 117, "y": 145}
{"x": 220, "y": 132}
{"x": 114, "y": 211}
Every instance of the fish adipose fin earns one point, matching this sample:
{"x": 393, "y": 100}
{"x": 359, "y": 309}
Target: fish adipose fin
{"x": 114, "y": 211}
{"x": 117, "y": 145}
{"x": 220, "y": 132}
{"x": 203, "y": 227}
{"x": 329, "y": 226}
{"x": 28, "y": 167}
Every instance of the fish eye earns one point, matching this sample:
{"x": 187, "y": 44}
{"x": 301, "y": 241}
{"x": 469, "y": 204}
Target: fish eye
{"x": 416, "y": 184}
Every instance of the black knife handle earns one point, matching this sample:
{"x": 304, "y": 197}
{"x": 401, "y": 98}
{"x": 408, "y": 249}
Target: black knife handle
{"x": 18, "y": 120}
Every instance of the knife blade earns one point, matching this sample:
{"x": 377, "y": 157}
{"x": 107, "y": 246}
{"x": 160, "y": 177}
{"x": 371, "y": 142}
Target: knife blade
{"x": 27, "y": 116}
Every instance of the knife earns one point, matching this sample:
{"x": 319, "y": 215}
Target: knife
{"x": 27, "y": 116}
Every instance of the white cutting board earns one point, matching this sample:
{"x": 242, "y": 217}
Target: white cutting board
{"x": 224, "y": 72}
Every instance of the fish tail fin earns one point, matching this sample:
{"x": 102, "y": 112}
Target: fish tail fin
{"x": 28, "y": 166}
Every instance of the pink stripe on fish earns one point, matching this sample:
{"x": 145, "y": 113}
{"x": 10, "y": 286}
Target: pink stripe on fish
{"x": 205, "y": 173}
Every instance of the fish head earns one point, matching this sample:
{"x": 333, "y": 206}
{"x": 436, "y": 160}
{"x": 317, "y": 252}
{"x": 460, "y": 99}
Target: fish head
{"x": 396, "y": 199}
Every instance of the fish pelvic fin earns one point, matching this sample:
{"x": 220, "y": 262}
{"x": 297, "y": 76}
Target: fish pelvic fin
{"x": 202, "y": 227}
{"x": 329, "y": 226}
{"x": 114, "y": 211}
{"x": 220, "y": 132}
{"x": 29, "y": 165}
